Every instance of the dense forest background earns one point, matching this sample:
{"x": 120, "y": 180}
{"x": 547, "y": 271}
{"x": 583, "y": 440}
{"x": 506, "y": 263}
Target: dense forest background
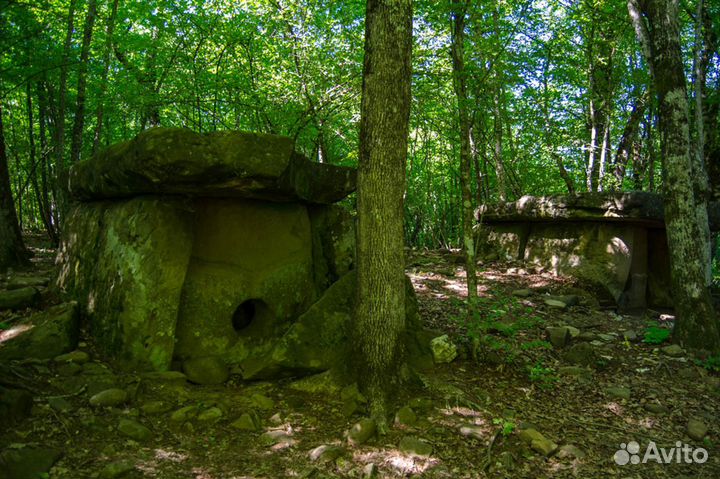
{"x": 559, "y": 97}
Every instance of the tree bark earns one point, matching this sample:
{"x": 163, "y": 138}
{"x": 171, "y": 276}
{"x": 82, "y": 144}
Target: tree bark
{"x": 103, "y": 81}
{"x": 62, "y": 99}
{"x": 457, "y": 52}
{"x": 626, "y": 145}
{"x": 697, "y": 326}
{"x": 12, "y": 248}
{"x": 385, "y": 114}
{"x": 79, "y": 124}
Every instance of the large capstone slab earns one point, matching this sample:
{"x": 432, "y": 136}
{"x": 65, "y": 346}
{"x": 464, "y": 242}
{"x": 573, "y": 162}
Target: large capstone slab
{"x": 223, "y": 247}
{"x": 615, "y": 241}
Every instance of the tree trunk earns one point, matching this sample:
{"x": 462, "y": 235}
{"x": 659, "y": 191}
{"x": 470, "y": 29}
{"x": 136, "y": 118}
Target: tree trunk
{"x": 103, "y": 81}
{"x": 12, "y": 248}
{"x": 79, "y": 124}
{"x": 626, "y": 145}
{"x": 60, "y": 120}
{"x": 385, "y": 114}
{"x": 697, "y": 325}
{"x": 457, "y": 51}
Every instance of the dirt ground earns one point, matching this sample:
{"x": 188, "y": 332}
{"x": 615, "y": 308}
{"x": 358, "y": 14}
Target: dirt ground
{"x": 587, "y": 402}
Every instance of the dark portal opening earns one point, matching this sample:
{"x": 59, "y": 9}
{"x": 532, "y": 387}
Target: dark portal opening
{"x": 244, "y": 314}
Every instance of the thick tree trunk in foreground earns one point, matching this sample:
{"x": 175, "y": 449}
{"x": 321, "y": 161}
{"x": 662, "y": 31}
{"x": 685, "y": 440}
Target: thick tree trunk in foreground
{"x": 457, "y": 52}
{"x": 385, "y": 113}
{"x": 697, "y": 325}
{"x": 12, "y": 248}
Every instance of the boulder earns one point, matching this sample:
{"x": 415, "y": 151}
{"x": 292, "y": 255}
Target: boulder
{"x": 206, "y": 370}
{"x": 19, "y": 298}
{"x": 27, "y": 462}
{"x": 43, "y": 335}
{"x": 218, "y": 164}
{"x": 15, "y": 405}
{"x": 414, "y": 446}
{"x": 320, "y": 338}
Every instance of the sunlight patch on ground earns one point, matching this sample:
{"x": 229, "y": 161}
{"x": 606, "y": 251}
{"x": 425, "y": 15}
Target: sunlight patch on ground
{"x": 615, "y": 408}
{"x": 392, "y": 458}
{"x": 169, "y": 455}
{"x": 14, "y": 332}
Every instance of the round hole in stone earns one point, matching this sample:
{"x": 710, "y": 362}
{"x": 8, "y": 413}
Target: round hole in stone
{"x": 244, "y": 314}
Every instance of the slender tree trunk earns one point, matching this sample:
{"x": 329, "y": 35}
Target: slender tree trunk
{"x": 697, "y": 324}
{"x": 12, "y": 248}
{"x": 62, "y": 98}
{"x": 385, "y": 114}
{"x": 104, "y": 78}
{"x": 626, "y": 145}
{"x": 79, "y": 124}
{"x": 457, "y": 52}
{"x": 46, "y": 206}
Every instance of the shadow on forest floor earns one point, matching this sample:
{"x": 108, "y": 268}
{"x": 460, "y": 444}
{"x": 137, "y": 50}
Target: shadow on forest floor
{"x": 511, "y": 405}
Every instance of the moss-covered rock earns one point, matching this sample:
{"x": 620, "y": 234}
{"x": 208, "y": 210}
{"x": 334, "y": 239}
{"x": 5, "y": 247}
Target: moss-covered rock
{"x": 218, "y": 164}
{"x": 320, "y": 339}
{"x": 125, "y": 263}
{"x": 44, "y": 335}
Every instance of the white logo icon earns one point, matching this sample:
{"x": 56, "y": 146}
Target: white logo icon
{"x": 682, "y": 453}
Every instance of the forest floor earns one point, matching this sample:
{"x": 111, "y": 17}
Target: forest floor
{"x": 599, "y": 387}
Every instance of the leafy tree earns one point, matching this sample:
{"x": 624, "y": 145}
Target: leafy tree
{"x": 384, "y": 122}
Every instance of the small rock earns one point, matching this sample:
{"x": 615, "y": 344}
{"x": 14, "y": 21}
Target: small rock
{"x": 18, "y": 282}
{"x": 673, "y": 350}
{"x": 696, "y": 429}
{"x": 529, "y": 435}
{"x": 19, "y": 298}
{"x": 206, "y": 370}
{"x": 544, "y": 446}
{"x": 475, "y": 432}
{"x": 554, "y": 303}
{"x": 270, "y": 438}
{"x": 27, "y": 462}
{"x": 570, "y": 451}
{"x": 109, "y": 398}
{"x": 212, "y": 414}
{"x": 656, "y": 408}
{"x": 606, "y": 337}
{"x": 574, "y": 332}
{"x": 362, "y": 431}
{"x": 184, "y": 414}
{"x": 247, "y": 422}
{"x": 155, "y": 407}
{"x": 116, "y": 469}
{"x": 405, "y": 416}
{"x": 326, "y": 453}
{"x": 370, "y": 471}
{"x": 276, "y": 419}
{"x": 559, "y": 337}
{"x": 443, "y": 350}
{"x": 262, "y": 402}
{"x": 630, "y": 335}
{"x": 59, "y": 404}
{"x": 521, "y": 293}
{"x": 587, "y": 336}
{"x": 134, "y": 430}
{"x": 618, "y": 392}
{"x": 582, "y": 354}
{"x": 688, "y": 373}
{"x": 415, "y": 446}
{"x": 78, "y": 357}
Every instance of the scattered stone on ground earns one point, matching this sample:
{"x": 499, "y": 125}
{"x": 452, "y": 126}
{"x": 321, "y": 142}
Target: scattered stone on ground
{"x": 109, "y": 398}
{"x": 415, "y": 446}
{"x": 696, "y": 429}
{"x": 673, "y": 350}
{"x": 443, "y": 350}
{"x": 206, "y": 370}
{"x": 362, "y": 431}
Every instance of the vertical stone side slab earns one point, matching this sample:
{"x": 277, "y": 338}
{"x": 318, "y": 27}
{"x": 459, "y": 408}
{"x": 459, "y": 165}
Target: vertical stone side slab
{"x": 125, "y": 262}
